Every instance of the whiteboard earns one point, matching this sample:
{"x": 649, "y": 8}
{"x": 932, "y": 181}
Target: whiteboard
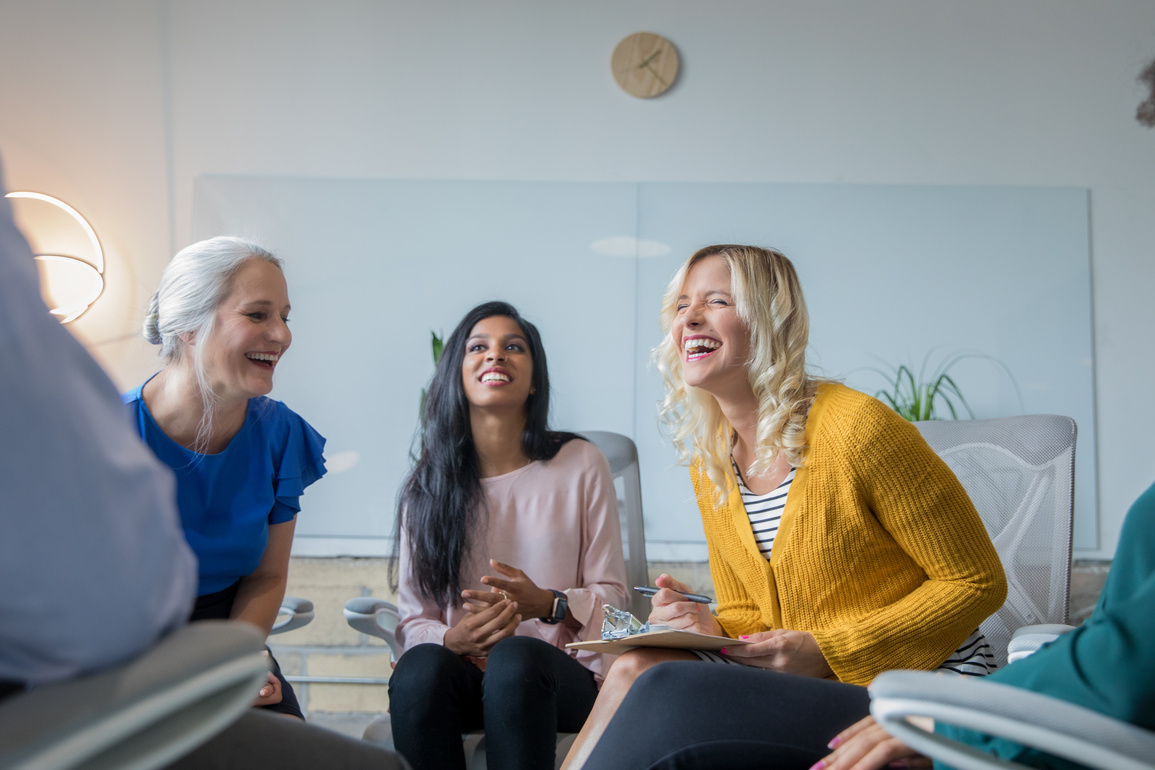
{"x": 889, "y": 272}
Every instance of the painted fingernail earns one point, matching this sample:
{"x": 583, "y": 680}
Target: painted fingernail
{"x": 819, "y": 765}
{"x": 724, "y": 651}
{"x": 744, "y": 636}
{"x": 834, "y": 742}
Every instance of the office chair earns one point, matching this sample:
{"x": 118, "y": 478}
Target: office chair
{"x": 1038, "y": 721}
{"x": 294, "y": 613}
{"x": 140, "y": 715}
{"x": 1019, "y": 471}
{"x": 1020, "y": 474}
{"x": 622, "y": 455}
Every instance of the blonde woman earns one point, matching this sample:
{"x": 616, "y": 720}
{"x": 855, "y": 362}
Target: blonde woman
{"x": 840, "y": 544}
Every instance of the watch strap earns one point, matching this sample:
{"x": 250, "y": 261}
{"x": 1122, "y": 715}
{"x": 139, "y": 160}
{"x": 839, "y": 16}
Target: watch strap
{"x": 560, "y": 604}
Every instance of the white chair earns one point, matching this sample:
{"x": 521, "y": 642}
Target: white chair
{"x": 622, "y": 455}
{"x": 1038, "y": 721}
{"x": 1030, "y": 719}
{"x": 141, "y": 715}
{"x": 380, "y": 618}
{"x": 1020, "y": 474}
{"x": 294, "y": 613}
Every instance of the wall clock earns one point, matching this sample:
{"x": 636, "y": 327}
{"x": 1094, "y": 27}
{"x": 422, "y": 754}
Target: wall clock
{"x": 645, "y": 64}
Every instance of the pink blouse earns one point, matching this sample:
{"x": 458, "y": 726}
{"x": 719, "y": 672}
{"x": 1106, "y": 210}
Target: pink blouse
{"x": 557, "y": 520}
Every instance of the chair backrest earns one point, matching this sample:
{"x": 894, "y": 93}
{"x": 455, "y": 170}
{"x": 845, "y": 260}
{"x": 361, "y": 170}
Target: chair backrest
{"x": 142, "y": 714}
{"x": 1020, "y": 474}
{"x": 623, "y": 458}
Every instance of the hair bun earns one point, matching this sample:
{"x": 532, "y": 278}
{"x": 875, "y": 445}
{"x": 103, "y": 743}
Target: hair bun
{"x": 152, "y": 321}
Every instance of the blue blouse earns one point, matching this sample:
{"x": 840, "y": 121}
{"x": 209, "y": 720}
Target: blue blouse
{"x": 228, "y": 500}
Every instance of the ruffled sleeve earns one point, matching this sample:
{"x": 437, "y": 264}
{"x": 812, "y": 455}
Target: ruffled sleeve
{"x": 302, "y": 463}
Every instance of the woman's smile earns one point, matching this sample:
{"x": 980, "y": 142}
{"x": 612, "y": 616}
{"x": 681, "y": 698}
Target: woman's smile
{"x": 264, "y": 360}
{"x": 496, "y": 377}
{"x": 698, "y": 346}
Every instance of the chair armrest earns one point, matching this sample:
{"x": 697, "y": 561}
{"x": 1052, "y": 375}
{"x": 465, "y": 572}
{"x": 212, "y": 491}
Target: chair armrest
{"x": 294, "y": 613}
{"x": 1033, "y": 720}
{"x": 375, "y": 617}
{"x": 144, "y": 714}
{"x": 1055, "y": 629}
{"x": 1028, "y": 639}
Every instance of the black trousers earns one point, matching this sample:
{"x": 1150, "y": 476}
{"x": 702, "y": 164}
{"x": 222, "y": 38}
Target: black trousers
{"x": 691, "y": 715}
{"x": 529, "y": 692}
{"x": 219, "y": 606}
{"x": 10, "y": 687}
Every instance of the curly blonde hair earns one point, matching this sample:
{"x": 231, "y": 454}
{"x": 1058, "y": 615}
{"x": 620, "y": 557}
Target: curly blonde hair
{"x": 768, "y": 299}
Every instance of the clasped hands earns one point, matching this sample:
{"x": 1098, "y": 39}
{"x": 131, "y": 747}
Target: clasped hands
{"x": 270, "y": 693}
{"x": 495, "y": 614}
{"x": 791, "y": 652}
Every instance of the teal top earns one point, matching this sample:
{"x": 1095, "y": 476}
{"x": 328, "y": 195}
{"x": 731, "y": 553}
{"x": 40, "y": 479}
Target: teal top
{"x": 229, "y": 500}
{"x": 1108, "y": 663}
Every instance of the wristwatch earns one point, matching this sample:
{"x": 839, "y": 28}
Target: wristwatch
{"x": 560, "y": 603}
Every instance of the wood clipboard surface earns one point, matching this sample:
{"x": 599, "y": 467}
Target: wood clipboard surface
{"x": 671, "y": 639}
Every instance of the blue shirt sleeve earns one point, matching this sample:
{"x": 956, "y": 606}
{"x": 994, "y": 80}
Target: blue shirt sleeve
{"x": 302, "y": 463}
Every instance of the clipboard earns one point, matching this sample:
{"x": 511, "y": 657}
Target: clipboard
{"x": 671, "y": 639}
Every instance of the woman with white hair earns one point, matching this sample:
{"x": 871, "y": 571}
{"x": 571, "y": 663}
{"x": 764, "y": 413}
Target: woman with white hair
{"x": 241, "y": 460}
{"x": 840, "y": 544}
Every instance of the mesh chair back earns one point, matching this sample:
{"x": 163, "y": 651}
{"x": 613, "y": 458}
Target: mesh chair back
{"x": 623, "y": 458}
{"x": 1020, "y": 474}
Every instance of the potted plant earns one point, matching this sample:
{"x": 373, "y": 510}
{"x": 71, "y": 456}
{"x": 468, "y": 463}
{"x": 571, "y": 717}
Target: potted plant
{"x": 923, "y": 396}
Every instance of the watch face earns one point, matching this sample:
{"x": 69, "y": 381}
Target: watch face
{"x": 560, "y": 603}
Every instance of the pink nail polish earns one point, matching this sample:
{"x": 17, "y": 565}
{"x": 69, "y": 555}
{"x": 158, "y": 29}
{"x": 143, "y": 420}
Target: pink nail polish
{"x": 834, "y": 742}
{"x": 819, "y": 765}
{"x": 723, "y": 651}
{"x": 744, "y": 636}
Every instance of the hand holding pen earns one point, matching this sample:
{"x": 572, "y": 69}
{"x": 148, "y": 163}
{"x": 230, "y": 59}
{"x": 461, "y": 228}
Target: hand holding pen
{"x": 673, "y": 607}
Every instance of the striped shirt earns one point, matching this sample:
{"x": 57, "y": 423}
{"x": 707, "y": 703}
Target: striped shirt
{"x": 974, "y": 657}
{"x": 765, "y": 511}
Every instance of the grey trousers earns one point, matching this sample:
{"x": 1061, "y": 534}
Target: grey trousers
{"x": 266, "y": 739}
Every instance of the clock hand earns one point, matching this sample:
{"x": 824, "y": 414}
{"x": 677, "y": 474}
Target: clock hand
{"x": 650, "y": 58}
{"x": 655, "y": 74}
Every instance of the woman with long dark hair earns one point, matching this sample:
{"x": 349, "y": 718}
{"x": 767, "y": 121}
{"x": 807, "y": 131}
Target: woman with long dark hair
{"x": 508, "y": 544}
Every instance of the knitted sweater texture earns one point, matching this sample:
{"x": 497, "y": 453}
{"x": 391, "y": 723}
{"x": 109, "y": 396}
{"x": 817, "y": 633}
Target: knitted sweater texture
{"x": 880, "y": 553}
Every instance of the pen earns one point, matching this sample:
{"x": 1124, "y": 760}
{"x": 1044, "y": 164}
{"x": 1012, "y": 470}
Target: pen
{"x": 651, "y": 590}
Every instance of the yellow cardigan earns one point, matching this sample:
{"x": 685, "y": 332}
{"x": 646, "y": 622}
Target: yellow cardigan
{"x": 880, "y": 553}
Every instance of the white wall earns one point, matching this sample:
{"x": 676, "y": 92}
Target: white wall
{"x": 118, "y": 106}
